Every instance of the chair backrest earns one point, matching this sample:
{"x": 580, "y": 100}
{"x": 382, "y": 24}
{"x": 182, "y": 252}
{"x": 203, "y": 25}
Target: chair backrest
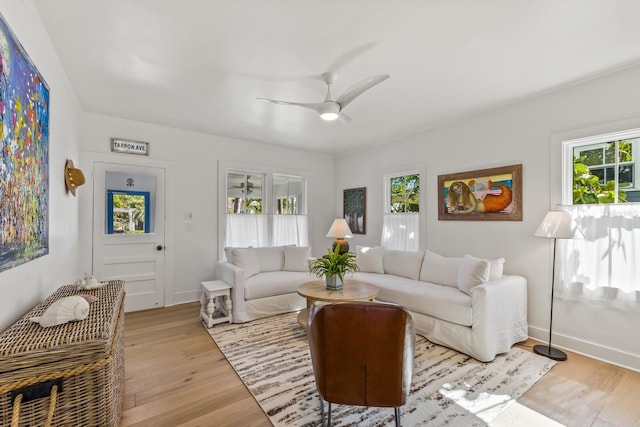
{"x": 362, "y": 353}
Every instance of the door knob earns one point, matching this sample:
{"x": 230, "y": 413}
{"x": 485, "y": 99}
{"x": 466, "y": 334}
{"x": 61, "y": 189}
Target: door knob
{"x": 159, "y": 247}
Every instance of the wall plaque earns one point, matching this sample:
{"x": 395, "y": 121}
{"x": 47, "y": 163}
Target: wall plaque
{"x": 129, "y": 146}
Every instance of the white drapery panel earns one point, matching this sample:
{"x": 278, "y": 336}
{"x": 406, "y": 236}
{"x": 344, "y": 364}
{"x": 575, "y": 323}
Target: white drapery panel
{"x": 245, "y": 230}
{"x": 290, "y": 230}
{"x": 401, "y": 231}
{"x": 603, "y": 267}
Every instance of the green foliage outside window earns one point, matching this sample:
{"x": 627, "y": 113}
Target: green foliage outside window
{"x": 405, "y": 193}
{"x": 121, "y": 219}
{"x": 587, "y": 187}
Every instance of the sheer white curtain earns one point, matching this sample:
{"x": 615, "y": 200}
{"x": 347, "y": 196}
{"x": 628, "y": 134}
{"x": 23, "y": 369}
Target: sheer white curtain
{"x": 290, "y": 230}
{"x": 247, "y": 230}
{"x": 603, "y": 267}
{"x": 401, "y": 231}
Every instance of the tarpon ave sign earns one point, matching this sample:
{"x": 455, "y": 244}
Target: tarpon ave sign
{"x": 128, "y": 146}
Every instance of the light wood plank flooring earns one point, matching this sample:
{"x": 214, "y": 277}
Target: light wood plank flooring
{"x": 176, "y": 376}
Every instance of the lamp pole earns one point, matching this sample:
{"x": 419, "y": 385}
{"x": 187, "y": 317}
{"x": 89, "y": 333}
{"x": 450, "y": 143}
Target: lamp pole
{"x": 543, "y": 350}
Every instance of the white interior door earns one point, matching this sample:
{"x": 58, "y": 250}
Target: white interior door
{"x": 129, "y": 241}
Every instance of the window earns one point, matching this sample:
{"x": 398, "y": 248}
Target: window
{"x": 605, "y": 172}
{"x": 255, "y": 217}
{"x": 288, "y": 195}
{"x": 290, "y": 224}
{"x": 127, "y": 212}
{"x": 600, "y": 185}
{"x": 244, "y": 193}
{"x": 401, "y": 218}
{"x": 405, "y": 194}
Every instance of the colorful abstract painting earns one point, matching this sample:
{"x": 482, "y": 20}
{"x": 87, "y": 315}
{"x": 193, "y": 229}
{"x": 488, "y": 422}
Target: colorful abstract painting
{"x": 489, "y": 194}
{"x": 24, "y": 155}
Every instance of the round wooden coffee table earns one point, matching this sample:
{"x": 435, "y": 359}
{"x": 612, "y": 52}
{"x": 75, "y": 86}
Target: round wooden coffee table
{"x": 353, "y": 290}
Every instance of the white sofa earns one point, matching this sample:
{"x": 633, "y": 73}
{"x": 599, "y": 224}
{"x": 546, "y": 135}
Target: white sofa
{"x": 464, "y": 303}
{"x": 265, "y": 280}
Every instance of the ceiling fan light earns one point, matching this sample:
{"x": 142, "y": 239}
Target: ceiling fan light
{"x": 329, "y": 116}
{"x": 329, "y": 110}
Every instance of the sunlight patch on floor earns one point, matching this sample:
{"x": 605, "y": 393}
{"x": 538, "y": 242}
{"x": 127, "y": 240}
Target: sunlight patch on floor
{"x": 521, "y": 416}
{"x": 496, "y": 410}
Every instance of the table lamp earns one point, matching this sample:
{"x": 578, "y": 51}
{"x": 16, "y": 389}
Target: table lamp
{"x": 340, "y": 230}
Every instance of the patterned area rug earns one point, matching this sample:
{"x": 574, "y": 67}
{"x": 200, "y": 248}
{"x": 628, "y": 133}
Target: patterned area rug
{"x": 272, "y": 358}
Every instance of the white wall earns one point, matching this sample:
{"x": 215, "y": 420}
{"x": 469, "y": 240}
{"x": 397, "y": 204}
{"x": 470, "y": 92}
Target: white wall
{"x": 517, "y": 133}
{"x": 193, "y": 159}
{"x": 24, "y": 286}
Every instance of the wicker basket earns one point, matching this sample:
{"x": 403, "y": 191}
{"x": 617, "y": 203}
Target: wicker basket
{"x": 84, "y": 360}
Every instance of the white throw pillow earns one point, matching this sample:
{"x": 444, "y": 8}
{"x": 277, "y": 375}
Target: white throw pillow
{"x": 246, "y": 259}
{"x": 473, "y": 272}
{"x": 295, "y": 258}
{"x": 403, "y": 263}
{"x": 496, "y": 268}
{"x": 440, "y": 270}
{"x": 370, "y": 259}
{"x": 228, "y": 253}
{"x": 270, "y": 258}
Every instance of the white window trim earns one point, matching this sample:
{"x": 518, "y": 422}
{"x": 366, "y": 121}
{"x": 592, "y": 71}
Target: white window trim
{"x": 386, "y": 188}
{"x": 568, "y": 145}
{"x": 409, "y": 169}
{"x": 570, "y": 287}
{"x": 267, "y": 171}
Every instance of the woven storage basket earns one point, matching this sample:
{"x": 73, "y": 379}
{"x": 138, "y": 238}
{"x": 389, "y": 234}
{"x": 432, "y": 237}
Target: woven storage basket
{"x": 84, "y": 358}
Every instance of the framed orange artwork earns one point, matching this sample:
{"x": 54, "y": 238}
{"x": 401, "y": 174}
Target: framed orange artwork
{"x": 487, "y": 194}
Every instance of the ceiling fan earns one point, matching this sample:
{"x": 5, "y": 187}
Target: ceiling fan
{"x": 246, "y": 186}
{"x": 331, "y": 107}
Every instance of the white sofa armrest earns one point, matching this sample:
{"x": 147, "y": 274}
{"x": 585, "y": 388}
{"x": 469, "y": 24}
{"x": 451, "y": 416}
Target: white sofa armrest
{"x": 234, "y": 276}
{"x": 499, "y": 310}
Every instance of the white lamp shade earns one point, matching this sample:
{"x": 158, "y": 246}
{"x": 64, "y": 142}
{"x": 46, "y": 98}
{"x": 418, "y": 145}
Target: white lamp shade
{"x": 339, "y": 228}
{"x": 558, "y": 225}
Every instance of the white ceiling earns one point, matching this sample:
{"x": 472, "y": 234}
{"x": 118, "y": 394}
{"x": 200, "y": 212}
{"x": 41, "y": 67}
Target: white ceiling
{"x": 200, "y": 64}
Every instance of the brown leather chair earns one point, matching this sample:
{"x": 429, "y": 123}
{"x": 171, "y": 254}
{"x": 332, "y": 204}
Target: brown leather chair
{"x": 362, "y": 354}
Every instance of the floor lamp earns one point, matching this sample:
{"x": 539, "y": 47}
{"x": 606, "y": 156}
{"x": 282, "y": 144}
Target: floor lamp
{"x": 555, "y": 225}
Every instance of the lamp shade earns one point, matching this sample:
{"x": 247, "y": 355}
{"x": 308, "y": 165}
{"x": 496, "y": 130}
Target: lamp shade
{"x": 558, "y": 225}
{"x": 339, "y": 228}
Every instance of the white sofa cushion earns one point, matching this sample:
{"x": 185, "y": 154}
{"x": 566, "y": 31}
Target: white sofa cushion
{"x": 369, "y": 259}
{"x": 274, "y": 283}
{"x": 296, "y": 258}
{"x": 473, "y": 272}
{"x": 440, "y": 270}
{"x": 228, "y": 252}
{"x": 496, "y": 268}
{"x": 403, "y": 263}
{"x": 247, "y": 260}
{"x": 270, "y": 258}
{"x": 442, "y": 302}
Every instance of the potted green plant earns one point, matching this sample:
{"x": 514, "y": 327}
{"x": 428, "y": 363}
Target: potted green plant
{"x": 334, "y": 266}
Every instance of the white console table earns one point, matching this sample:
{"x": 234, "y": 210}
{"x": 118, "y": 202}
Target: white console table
{"x": 215, "y": 303}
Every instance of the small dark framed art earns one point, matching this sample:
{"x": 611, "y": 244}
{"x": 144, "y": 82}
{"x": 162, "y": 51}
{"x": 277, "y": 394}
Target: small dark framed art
{"x": 355, "y": 209}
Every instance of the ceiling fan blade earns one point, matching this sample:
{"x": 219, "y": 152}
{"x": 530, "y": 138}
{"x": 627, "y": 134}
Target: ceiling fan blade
{"x": 344, "y": 118}
{"x": 313, "y": 106}
{"x": 349, "y": 56}
{"x": 356, "y": 90}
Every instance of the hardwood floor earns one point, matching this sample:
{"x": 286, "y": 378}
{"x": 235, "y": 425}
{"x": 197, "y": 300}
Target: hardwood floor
{"x": 176, "y": 376}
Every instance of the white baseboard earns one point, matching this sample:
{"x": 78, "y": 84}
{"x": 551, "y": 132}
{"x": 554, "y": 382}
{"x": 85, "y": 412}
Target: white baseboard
{"x": 186, "y": 296}
{"x": 589, "y": 349}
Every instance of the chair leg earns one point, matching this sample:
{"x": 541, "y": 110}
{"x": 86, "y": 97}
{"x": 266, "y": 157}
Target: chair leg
{"x": 329, "y": 417}
{"x": 322, "y": 411}
{"x": 398, "y": 423}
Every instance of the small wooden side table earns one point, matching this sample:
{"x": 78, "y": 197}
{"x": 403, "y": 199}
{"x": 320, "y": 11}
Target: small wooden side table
{"x": 215, "y": 303}
{"x": 353, "y": 290}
